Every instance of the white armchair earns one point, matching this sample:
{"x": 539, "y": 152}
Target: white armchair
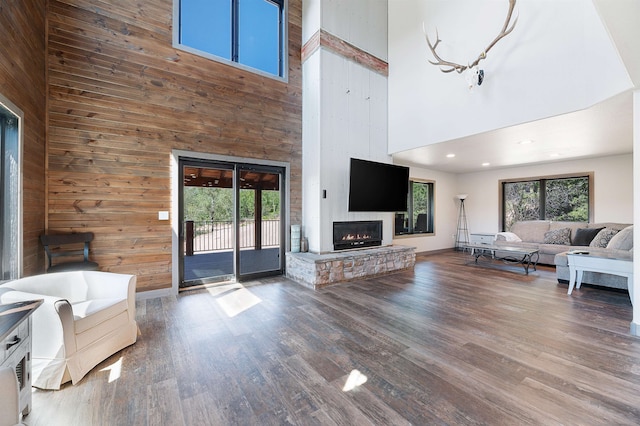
{"x": 86, "y": 317}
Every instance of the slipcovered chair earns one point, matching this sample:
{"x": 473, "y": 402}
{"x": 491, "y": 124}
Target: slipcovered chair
{"x": 86, "y": 317}
{"x": 9, "y": 398}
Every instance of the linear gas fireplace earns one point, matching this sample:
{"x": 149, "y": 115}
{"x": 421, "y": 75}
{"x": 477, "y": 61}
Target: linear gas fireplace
{"x": 357, "y": 234}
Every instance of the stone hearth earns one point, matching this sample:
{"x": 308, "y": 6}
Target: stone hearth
{"x": 318, "y": 270}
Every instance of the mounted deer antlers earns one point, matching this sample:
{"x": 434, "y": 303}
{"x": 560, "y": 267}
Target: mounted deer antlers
{"x": 506, "y": 29}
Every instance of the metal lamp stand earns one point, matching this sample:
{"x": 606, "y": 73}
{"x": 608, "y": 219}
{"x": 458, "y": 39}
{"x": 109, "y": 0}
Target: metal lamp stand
{"x": 462, "y": 234}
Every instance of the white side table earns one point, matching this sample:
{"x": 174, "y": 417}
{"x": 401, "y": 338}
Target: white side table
{"x": 15, "y": 350}
{"x": 482, "y": 238}
{"x": 578, "y": 263}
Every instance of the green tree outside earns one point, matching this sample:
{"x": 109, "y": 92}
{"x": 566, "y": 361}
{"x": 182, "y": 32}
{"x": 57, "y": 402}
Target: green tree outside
{"x": 216, "y": 204}
{"x": 565, "y": 200}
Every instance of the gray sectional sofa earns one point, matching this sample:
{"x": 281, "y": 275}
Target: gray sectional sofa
{"x": 554, "y": 239}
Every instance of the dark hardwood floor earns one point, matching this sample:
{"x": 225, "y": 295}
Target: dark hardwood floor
{"x": 448, "y": 343}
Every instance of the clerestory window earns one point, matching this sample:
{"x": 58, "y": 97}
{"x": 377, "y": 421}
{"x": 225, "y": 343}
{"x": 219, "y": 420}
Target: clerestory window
{"x": 246, "y": 32}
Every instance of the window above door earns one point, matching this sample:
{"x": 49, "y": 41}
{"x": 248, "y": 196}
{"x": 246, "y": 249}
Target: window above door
{"x": 248, "y": 33}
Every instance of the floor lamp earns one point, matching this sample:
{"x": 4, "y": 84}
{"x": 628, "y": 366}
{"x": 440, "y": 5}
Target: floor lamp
{"x": 462, "y": 233}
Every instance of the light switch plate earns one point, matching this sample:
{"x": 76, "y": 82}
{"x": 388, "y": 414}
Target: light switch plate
{"x": 163, "y": 215}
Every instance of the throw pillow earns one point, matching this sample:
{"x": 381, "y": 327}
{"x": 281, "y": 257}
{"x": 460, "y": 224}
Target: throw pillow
{"x": 623, "y": 240}
{"x": 584, "y": 236}
{"x": 603, "y": 237}
{"x": 558, "y": 236}
{"x": 507, "y": 236}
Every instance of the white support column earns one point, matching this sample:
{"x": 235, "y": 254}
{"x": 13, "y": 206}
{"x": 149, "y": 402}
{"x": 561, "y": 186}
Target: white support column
{"x": 344, "y": 109}
{"x": 635, "y": 300}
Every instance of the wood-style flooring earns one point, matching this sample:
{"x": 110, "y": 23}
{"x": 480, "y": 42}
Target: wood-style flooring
{"x": 448, "y": 343}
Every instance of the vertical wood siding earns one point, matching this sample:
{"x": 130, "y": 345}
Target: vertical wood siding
{"x": 121, "y": 98}
{"x": 22, "y": 81}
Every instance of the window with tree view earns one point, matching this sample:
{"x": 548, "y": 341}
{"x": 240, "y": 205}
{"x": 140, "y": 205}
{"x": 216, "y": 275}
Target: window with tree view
{"x": 562, "y": 199}
{"x": 247, "y": 32}
{"x": 10, "y": 226}
{"x": 418, "y": 219}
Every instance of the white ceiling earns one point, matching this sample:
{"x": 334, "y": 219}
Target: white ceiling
{"x": 601, "y": 130}
{"x": 561, "y": 138}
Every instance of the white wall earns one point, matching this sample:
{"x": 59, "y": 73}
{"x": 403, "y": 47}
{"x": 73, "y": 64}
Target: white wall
{"x": 446, "y": 212}
{"x": 311, "y": 168}
{"x": 558, "y": 59}
{"x": 613, "y": 196}
{"x": 635, "y": 323}
{"x": 362, "y": 23}
{"x": 613, "y": 191}
{"x": 310, "y": 18}
{"x": 345, "y": 109}
{"x": 353, "y": 123}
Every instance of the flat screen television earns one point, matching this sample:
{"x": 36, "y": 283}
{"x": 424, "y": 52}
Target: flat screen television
{"x": 377, "y": 187}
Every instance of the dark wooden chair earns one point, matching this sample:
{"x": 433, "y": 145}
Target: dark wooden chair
{"x": 421, "y": 222}
{"x": 74, "y": 246}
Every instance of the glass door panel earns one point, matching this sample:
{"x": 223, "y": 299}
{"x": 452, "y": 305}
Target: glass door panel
{"x": 231, "y": 219}
{"x": 208, "y": 230}
{"x": 260, "y": 221}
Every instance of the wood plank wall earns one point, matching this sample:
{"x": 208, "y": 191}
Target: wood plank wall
{"x": 121, "y": 98}
{"x": 23, "y": 82}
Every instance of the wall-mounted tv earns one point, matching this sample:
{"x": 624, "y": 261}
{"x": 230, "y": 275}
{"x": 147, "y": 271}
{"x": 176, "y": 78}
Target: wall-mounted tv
{"x": 377, "y": 187}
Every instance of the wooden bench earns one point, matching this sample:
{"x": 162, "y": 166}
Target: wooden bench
{"x": 67, "y": 246}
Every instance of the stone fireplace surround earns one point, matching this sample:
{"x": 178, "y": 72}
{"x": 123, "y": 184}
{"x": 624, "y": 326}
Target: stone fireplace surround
{"x": 319, "y": 270}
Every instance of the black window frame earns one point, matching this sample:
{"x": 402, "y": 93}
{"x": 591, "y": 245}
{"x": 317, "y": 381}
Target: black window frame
{"x": 542, "y": 182}
{"x": 405, "y": 225}
{"x": 235, "y": 38}
{"x": 11, "y": 208}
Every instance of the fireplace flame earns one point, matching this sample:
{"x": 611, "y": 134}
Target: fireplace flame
{"x": 357, "y": 234}
{"x": 351, "y": 237}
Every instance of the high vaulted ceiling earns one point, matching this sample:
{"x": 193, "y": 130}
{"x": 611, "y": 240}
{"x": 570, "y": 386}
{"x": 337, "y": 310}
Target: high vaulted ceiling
{"x": 607, "y": 45}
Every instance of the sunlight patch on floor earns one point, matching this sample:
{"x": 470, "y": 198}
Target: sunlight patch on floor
{"x": 233, "y": 299}
{"x": 114, "y": 370}
{"x": 219, "y": 289}
{"x": 355, "y": 379}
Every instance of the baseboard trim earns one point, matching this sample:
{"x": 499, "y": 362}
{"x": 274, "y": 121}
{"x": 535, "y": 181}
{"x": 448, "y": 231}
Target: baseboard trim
{"x": 152, "y": 294}
{"x": 438, "y": 251}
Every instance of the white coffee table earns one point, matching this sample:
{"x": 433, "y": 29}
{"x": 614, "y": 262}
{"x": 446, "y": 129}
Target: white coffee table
{"x": 600, "y": 262}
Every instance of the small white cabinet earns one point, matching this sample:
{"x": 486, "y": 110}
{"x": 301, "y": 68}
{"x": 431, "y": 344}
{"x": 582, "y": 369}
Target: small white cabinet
{"x": 482, "y": 238}
{"x": 15, "y": 338}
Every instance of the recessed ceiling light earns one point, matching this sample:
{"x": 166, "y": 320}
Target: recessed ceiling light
{"x": 486, "y": 164}
{"x": 450, "y": 155}
{"x": 525, "y": 142}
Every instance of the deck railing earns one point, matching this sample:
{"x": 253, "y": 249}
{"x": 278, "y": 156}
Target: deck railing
{"x": 209, "y": 235}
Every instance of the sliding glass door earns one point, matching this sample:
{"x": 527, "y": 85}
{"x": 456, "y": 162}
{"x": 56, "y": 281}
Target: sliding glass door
{"x": 231, "y": 220}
